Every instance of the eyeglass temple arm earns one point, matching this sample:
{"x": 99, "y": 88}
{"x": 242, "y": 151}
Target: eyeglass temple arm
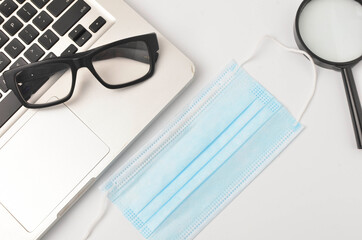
{"x": 140, "y": 55}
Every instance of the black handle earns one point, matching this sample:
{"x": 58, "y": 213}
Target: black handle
{"x": 354, "y": 103}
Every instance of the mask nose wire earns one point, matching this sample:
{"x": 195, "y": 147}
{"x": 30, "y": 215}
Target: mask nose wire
{"x": 293, "y": 50}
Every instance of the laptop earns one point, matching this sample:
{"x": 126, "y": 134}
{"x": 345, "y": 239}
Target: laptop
{"x": 50, "y": 157}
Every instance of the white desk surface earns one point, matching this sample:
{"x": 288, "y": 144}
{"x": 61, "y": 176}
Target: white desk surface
{"x": 313, "y": 189}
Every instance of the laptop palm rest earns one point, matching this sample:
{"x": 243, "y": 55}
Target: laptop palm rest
{"x": 44, "y": 161}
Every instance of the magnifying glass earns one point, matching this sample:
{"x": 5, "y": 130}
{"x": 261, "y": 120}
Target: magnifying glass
{"x": 331, "y": 32}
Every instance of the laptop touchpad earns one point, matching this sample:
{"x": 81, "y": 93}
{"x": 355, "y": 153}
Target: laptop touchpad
{"x": 44, "y": 161}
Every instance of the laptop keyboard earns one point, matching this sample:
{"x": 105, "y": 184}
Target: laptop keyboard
{"x": 29, "y": 31}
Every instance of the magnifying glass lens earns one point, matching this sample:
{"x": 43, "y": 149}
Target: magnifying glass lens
{"x": 331, "y": 29}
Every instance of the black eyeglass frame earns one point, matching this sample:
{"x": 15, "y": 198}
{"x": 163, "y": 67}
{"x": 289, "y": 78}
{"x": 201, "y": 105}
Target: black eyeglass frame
{"x": 84, "y": 59}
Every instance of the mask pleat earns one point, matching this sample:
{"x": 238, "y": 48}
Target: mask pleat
{"x": 234, "y": 175}
{"x": 189, "y": 143}
{"x": 200, "y": 160}
{"x": 182, "y": 121}
{"x": 231, "y": 143}
{"x": 203, "y": 159}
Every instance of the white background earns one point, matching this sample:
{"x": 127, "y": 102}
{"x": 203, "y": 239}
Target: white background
{"x": 313, "y": 190}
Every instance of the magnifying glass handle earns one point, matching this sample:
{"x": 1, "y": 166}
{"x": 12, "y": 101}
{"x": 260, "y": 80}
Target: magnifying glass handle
{"x": 354, "y": 103}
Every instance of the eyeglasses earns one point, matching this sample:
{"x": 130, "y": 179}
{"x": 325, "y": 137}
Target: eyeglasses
{"x": 115, "y": 65}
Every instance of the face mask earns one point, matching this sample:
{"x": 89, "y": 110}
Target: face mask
{"x": 175, "y": 185}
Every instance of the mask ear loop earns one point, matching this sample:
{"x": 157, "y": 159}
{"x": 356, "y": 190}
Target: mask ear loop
{"x": 102, "y": 211}
{"x": 312, "y": 92}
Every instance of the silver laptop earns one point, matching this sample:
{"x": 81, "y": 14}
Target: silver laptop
{"x": 50, "y": 157}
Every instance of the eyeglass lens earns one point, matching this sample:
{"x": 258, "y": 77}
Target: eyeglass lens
{"x": 123, "y": 63}
{"x": 33, "y": 82}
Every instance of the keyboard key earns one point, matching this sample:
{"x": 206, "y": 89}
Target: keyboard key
{"x": 27, "y": 12}
{"x": 34, "y": 53}
{"x": 48, "y": 39}
{"x": 18, "y": 63}
{"x": 83, "y": 38}
{"x": 20, "y": 1}
{"x": 8, "y": 7}
{"x": 76, "y": 32}
{"x": 13, "y": 25}
{"x": 8, "y": 106}
{"x": 1, "y": 20}
{"x": 42, "y": 20}
{"x": 4, "y": 61}
{"x": 14, "y": 48}
{"x": 80, "y": 35}
{"x": 97, "y": 24}
{"x": 28, "y": 34}
{"x": 3, "y": 38}
{"x": 50, "y": 55}
{"x": 56, "y": 7}
{"x": 3, "y": 86}
{"x": 40, "y": 3}
{"x": 71, "y": 17}
{"x": 69, "y": 51}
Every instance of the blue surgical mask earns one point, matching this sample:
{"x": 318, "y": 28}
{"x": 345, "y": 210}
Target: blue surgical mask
{"x": 175, "y": 185}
